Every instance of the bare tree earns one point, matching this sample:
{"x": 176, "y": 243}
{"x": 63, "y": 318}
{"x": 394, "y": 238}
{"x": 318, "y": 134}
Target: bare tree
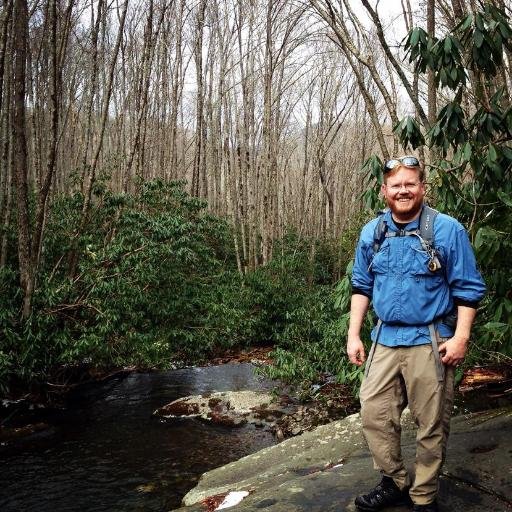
{"x": 358, "y": 62}
{"x": 20, "y": 163}
{"x": 267, "y": 108}
{"x": 90, "y": 177}
{"x": 198, "y": 174}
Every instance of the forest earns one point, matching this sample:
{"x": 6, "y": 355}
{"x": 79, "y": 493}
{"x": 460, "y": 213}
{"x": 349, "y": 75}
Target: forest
{"x": 181, "y": 177}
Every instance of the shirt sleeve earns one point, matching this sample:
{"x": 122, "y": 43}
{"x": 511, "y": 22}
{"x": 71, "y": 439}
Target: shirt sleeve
{"x": 362, "y": 278}
{"x": 357, "y": 291}
{"x": 462, "y": 274}
{"x": 467, "y": 303}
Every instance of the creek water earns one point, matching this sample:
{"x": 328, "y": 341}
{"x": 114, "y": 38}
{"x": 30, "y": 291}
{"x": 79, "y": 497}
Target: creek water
{"x": 107, "y": 452}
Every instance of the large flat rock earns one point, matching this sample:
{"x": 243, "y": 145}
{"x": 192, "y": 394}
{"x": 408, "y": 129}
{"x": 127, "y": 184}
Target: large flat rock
{"x": 324, "y": 470}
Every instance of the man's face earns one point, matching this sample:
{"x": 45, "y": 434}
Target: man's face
{"x": 404, "y": 193}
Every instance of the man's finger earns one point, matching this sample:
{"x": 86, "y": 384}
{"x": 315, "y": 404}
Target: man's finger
{"x": 358, "y": 358}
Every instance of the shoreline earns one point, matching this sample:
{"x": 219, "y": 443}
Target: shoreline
{"x": 25, "y": 413}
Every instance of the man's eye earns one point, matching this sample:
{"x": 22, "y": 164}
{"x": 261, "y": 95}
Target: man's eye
{"x": 407, "y": 186}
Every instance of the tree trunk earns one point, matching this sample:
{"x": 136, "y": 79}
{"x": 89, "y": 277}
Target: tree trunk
{"x": 176, "y": 92}
{"x": 6, "y": 122}
{"x": 92, "y": 91}
{"x": 73, "y": 260}
{"x": 199, "y": 132}
{"x": 6, "y": 22}
{"x": 20, "y": 155}
{"x": 432, "y": 89}
{"x": 54, "y": 79}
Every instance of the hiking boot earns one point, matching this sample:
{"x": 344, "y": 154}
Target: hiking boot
{"x": 429, "y": 507}
{"x": 386, "y": 494}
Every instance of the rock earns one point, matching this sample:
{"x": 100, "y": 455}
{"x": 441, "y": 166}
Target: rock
{"x": 10, "y": 434}
{"x": 283, "y": 415}
{"x": 279, "y": 464}
{"x": 231, "y": 408}
{"x": 182, "y": 407}
{"x": 323, "y": 470}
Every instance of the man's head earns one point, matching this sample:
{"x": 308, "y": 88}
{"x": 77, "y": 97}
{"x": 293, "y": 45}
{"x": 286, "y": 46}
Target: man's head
{"x": 404, "y": 187}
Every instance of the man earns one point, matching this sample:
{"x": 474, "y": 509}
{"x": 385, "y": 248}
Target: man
{"x": 425, "y": 297}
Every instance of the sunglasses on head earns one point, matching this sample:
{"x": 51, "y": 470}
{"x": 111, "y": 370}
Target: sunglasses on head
{"x": 408, "y": 161}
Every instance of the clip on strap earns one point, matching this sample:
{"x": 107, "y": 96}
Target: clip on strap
{"x": 435, "y": 350}
{"x": 372, "y": 349}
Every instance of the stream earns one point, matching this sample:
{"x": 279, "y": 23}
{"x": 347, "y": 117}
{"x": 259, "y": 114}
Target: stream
{"x": 107, "y": 452}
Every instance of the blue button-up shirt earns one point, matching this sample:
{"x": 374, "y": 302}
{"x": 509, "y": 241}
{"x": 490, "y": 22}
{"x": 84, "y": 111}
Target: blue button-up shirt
{"x": 406, "y": 295}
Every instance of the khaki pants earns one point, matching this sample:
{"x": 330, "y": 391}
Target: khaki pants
{"x": 399, "y": 376}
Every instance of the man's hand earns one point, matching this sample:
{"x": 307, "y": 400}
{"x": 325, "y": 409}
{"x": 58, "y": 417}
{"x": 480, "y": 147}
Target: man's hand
{"x": 358, "y": 308}
{"x": 355, "y": 350}
{"x": 453, "y": 351}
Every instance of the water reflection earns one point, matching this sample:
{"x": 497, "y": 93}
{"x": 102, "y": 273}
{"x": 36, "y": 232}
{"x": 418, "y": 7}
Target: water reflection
{"x": 109, "y": 454}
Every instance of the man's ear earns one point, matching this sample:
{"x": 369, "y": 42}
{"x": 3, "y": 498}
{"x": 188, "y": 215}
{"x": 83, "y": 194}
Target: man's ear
{"x": 383, "y": 189}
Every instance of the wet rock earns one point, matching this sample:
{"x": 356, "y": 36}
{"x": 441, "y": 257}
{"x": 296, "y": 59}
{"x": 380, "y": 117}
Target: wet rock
{"x": 179, "y": 408}
{"x": 324, "y": 470}
{"x": 231, "y": 408}
{"x": 213, "y": 502}
{"x": 284, "y": 415}
{"x": 10, "y": 434}
{"x": 316, "y": 412}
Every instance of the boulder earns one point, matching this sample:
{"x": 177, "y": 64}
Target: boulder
{"x": 230, "y": 408}
{"x": 325, "y": 469}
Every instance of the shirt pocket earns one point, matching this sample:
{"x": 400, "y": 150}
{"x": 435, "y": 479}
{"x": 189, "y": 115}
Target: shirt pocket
{"x": 433, "y": 281}
{"x": 380, "y": 262}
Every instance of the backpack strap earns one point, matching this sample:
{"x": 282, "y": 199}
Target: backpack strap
{"x": 380, "y": 232}
{"x": 427, "y": 219}
{"x": 435, "y": 350}
{"x": 372, "y": 349}
{"x": 425, "y": 232}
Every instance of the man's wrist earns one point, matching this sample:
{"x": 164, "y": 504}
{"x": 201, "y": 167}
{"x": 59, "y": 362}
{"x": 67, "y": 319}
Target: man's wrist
{"x": 462, "y": 338}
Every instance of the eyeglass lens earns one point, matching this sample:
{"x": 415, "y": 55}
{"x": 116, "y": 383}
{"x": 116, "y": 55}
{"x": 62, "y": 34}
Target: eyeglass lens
{"x": 409, "y": 161}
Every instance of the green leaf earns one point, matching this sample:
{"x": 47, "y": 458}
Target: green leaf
{"x": 466, "y": 23}
{"x": 467, "y": 151}
{"x": 493, "y": 155}
{"x": 442, "y": 76}
{"x": 414, "y": 37}
{"x": 496, "y": 326}
{"x": 505, "y": 198}
{"x": 479, "y": 22}
{"x": 505, "y": 30}
{"x": 478, "y": 38}
{"x": 507, "y": 152}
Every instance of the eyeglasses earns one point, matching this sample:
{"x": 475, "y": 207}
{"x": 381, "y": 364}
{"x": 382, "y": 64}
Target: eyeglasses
{"x": 408, "y": 187}
{"x": 408, "y": 161}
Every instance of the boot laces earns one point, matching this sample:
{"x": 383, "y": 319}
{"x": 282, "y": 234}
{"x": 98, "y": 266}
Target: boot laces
{"x": 384, "y": 490}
